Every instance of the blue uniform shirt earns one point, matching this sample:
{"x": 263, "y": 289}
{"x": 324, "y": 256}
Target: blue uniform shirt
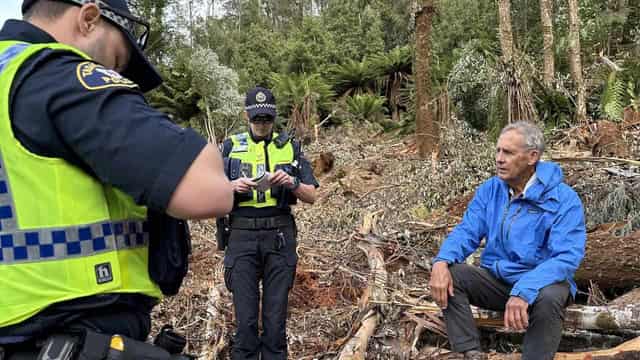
{"x": 108, "y": 131}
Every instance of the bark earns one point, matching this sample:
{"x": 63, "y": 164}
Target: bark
{"x": 356, "y": 347}
{"x": 617, "y": 267}
{"x": 427, "y": 131}
{"x": 609, "y": 318}
{"x": 575, "y": 60}
{"x": 216, "y": 331}
{"x": 506, "y": 33}
{"x": 629, "y": 350}
{"x": 604, "y": 317}
{"x": 546, "y": 9}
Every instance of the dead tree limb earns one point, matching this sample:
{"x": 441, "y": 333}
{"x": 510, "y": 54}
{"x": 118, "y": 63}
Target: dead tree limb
{"x": 356, "y": 347}
{"x": 215, "y": 331}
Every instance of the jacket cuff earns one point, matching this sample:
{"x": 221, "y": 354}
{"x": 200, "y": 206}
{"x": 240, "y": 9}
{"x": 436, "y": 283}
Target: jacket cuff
{"x": 528, "y": 296}
{"x": 438, "y": 259}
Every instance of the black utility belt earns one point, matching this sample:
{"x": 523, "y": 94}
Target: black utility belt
{"x": 263, "y": 223}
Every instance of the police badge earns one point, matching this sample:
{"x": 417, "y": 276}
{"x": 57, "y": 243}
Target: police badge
{"x": 261, "y": 97}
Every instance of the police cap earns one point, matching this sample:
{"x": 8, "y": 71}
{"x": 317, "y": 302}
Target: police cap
{"x": 135, "y": 30}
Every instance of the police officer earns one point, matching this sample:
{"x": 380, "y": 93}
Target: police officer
{"x": 262, "y": 239}
{"x": 83, "y": 160}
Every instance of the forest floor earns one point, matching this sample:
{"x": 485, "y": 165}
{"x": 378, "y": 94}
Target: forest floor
{"x": 416, "y": 203}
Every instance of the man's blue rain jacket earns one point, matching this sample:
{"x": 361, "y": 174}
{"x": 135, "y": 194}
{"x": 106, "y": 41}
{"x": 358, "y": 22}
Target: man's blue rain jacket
{"x": 532, "y": 241}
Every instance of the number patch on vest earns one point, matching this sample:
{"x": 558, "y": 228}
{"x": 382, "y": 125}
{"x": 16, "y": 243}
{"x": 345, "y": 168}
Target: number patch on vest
{"x": 103, "y": 273}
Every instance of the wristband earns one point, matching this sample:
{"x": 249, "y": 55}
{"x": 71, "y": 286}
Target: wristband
{"x": 296, "y": 184}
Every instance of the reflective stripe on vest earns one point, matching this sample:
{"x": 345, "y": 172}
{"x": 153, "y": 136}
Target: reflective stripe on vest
{"x": 63, "y": 234}
{"x": 10, "y": 53}
{"x": 254, "y": 160}
{"x": 58, "y": 243}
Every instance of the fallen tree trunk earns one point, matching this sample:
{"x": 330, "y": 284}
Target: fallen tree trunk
{"x": 617, "y": 267}
{"x": 615, "y": 317}
{"x": 629, "y": 350}
{"x": 356, "y": 347}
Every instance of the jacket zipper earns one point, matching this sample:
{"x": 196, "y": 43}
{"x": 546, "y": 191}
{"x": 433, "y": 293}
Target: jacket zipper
{"x": 504, "y": 218}
{"x": 513, "y": 219}
{"x": 266, "y": 157}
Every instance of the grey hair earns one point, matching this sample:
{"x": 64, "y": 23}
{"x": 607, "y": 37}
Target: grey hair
{"x": 533, "y": 137}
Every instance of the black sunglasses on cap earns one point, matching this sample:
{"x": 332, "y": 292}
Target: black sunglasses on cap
{"x": 137, "y": 28}
{"x": 262, "y": 118}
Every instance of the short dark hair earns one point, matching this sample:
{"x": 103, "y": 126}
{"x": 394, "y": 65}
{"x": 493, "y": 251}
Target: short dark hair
{"x": 46, "y": 9}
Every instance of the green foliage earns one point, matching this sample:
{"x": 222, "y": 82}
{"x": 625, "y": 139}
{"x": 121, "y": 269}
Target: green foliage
{"x": 176, "y": 96}
{"x": 308, "y": 48}
{"x": 292, "y": 89}
{"x": 395, "y": 17}
{"x": 216, "y": 84}
{"x": 498, "y": 112}
{"x": 458, "y": 23}
{"x": 471, "y": 85}
{"x": 395, "y": 65}
{"x": 353, "y": 78}
{"x": 611, "y": 101}
{"x": 366, "y": 107}
{"x": 356, "y": 29}
{"x": 366, "y": 47}
{"x": 554, "y": 107}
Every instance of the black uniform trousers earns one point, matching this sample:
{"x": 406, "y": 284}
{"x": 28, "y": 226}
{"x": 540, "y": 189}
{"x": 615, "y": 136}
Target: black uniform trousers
{"x": 251, "y": 256}
{"x": 476, "y": 286}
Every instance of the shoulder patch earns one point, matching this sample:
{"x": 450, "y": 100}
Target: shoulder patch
{"x": 96, "y": 77}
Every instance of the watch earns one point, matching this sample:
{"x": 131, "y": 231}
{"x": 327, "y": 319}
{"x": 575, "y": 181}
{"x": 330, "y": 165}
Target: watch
{"x": 296, "y": 183}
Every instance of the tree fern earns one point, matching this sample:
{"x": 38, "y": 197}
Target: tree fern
{"x": 612, "y": 99}
{"x": 366, "y": 107}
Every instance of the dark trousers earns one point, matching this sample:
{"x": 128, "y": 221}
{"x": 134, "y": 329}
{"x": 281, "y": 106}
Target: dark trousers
{"x": 252, "y": 256}
{"x": 476, "y": 286}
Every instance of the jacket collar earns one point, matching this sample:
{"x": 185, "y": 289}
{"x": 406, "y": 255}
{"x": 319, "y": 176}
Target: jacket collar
{"x": 20, "y": 30}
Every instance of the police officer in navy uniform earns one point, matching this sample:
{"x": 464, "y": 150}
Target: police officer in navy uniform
{"x": 72, "y": 77}
{"x": 262, "y": 239}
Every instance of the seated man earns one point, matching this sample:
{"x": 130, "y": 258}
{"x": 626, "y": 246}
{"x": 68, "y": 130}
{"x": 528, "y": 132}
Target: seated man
{"x": 535, "y": 235}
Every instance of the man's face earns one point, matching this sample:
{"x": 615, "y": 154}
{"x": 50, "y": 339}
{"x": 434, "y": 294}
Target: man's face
{"x": 261, "y": 125}
{"x": 111, "y": 48}
{"x": 513, "y": 160}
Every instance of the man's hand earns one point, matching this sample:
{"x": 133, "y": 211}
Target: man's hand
{"x": 441, "y": 283}
{"x": 515, "y": 314}
{"x": 243, "y": 185}
{"x": 281, "y": 178}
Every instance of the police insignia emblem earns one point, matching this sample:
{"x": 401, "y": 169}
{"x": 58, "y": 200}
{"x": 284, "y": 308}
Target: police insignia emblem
{"x": 95, "y": 77}
{"x": 261, "y": 97}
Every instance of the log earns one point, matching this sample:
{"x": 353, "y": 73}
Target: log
{"x": 356, "y": 347}
{"x": 617, "y": 267}
{"x": 629, "y": 350}
{"x": 609, "y": 318}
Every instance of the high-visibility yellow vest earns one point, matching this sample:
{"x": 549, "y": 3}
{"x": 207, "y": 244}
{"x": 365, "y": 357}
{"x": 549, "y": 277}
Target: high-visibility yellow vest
{"x": 258, "y": 158}
{"x": 63, "y": 234}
